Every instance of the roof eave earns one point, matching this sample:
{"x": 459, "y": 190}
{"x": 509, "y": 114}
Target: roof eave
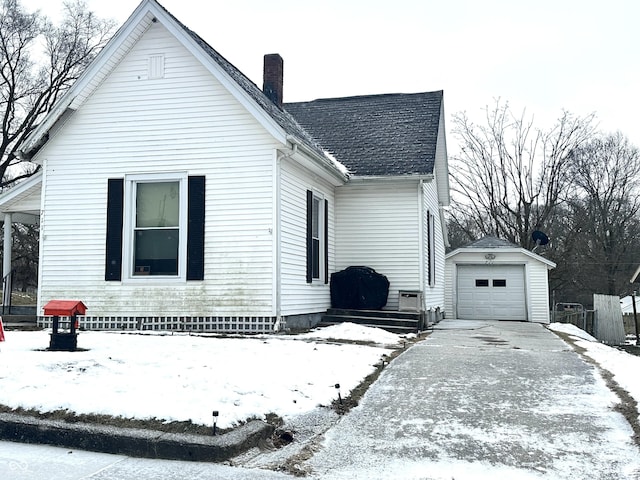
{"x": 153, "y": 13}
{"x": 457, "y": 251}
{"x": 412, "y": 177}
{"x": 322, "y": 161}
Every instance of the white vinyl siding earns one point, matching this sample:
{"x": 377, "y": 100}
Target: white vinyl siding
{"x": 538, "y": 284}
{"x": 298, "y": 296}
{"x": 433, "y": 295}
{"x": 184, "y": 122}
{"x": 378, "y": 226}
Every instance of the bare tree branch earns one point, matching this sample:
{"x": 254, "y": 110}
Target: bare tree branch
{"x": 39, "y": 61}
{"x": 510, "y": 175}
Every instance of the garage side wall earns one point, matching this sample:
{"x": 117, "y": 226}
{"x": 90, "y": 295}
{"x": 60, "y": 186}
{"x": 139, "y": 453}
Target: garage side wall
{"x": 538, "y": 274}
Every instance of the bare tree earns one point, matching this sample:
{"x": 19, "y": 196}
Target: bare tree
{"x": 39, "y": 61}
{"x": 510, "y": 175}
{"x": 605, "y": 213}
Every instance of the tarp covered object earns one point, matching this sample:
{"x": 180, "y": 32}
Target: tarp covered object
{"x": 360, "y": 288}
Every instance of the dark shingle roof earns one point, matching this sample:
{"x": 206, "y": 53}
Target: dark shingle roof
{"x": 281, "y": 117}
{"x": 492, "y": 242}
{"x": 394, "y": 134}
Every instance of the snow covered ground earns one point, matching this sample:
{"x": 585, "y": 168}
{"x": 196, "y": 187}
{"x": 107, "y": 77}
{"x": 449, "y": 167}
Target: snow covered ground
{"x": 622, "y": 365}
{"x": 184, "y": 377}
{"x": 177, "y": 377}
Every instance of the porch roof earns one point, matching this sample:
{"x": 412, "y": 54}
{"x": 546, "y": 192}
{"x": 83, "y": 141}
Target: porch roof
{"x": 23, "y": 200}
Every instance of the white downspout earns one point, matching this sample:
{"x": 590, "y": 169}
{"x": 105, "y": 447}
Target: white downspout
{"x": 277, "y": 239}
{"x": 6, "y": 261}
{"x": 421, "y": 237}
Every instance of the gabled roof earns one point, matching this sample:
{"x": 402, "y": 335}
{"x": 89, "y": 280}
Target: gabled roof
{"x": 376, "y": 135}
{"x": 280, "y": 123}
{"x": 490, "y": 243}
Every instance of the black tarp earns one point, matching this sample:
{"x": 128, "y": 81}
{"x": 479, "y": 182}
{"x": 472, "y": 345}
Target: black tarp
{"x": 360, "y": 288}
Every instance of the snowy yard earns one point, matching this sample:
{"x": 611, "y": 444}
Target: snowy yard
{"x": 623, "y": 366}
{"x": 184, "y": 377}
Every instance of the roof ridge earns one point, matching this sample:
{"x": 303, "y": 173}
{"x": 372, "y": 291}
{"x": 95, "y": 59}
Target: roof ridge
{"x": 371, "y": 95}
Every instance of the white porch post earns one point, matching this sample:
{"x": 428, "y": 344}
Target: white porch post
{"x": 6, "y": 260}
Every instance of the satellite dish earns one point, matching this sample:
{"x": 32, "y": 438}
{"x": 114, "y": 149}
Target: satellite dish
{"x": 539, "y": 238}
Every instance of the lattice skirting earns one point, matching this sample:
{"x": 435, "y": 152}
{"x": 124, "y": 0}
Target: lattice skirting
{"x": 184, "y": 324}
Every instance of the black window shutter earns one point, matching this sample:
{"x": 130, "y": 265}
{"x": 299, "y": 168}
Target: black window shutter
{"x": 430, "y": 273}
{"x": 326, "y": 241}
{"x": 195, "y": 228}
{"x": 309, "y": 236}
{"x": 113, "y": 250}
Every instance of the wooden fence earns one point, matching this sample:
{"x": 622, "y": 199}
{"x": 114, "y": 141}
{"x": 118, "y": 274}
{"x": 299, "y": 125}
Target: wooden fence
{"x": 610, "y": 326}
{"x": 606, "y": 322}
{"x": 629, "y": 323}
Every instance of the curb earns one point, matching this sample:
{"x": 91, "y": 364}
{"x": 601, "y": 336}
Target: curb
{"x": 132, "y": 441}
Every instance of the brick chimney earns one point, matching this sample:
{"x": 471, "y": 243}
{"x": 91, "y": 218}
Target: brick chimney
{"x": 272, "y": 78}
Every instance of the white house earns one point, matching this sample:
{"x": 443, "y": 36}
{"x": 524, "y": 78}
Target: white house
{"x": 174, "y": 193}
{"x": 492, "y": 279}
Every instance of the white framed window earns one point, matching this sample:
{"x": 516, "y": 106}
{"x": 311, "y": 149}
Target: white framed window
{"x": 431, "y": 251}
{"x": 155, "y": 226}
{"x": 317, "y": 238}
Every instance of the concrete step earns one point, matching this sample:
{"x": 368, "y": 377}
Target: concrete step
{"x": 393, "y": 314}
{"x": 406, "y": 322}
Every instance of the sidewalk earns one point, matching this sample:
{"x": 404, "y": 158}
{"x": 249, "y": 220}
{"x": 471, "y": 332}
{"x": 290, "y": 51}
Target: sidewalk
{"x": 482, "y": 400}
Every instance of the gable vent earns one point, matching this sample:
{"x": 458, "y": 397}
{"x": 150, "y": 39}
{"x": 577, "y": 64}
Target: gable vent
{"x": 156, "y": 66}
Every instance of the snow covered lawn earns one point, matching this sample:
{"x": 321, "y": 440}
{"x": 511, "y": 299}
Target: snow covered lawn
{"x": 623, "y": 366}
{"x": 183, "y": 377}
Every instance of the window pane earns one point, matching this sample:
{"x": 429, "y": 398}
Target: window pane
{"x": 156, "y": 252}
{"x": 158, "y": 204}
{"x": 500, "y": 283}
{"x": 315, "y": 221}
{"x": 482, "y": 283}
{"x": 315, "y": 266}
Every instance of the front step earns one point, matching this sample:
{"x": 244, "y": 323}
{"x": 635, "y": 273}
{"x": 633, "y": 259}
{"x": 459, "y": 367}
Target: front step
{"x": 391, "y": 321}
{"x": 20, "y": 322}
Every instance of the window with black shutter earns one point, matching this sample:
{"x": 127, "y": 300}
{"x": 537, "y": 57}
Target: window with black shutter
{"x": 155, "y": 227}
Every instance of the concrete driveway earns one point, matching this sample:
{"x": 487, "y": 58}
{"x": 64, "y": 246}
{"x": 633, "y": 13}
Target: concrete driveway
{"x": 482, "y": 400}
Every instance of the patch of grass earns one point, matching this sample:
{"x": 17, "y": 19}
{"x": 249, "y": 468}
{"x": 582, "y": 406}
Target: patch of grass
{"x": 24, "y": 298}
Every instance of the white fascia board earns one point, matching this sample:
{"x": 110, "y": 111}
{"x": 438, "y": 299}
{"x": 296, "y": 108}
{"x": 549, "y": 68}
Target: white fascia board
{"x": 478, "y": 250}
{"x": 147, "y": 12}
{"x": 108, "y": 52}
{"x": 636, "y": 275}
{"x": 442, "y": 162}
{"x": 223, "y": 77}
{"x": 390, "y": 178}
{"x": 324, "y": 164}
{"x": 318, "y": 166}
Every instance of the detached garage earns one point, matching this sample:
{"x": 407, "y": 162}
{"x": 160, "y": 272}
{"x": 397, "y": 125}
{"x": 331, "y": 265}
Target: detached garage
{"x": 492, "y": 279}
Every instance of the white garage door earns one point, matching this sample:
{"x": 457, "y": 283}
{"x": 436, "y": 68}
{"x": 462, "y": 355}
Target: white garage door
{"x": 491, "y": 292}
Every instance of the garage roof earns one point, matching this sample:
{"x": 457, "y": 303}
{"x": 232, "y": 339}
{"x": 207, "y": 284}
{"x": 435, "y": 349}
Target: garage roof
{"x": 490, "y": 243}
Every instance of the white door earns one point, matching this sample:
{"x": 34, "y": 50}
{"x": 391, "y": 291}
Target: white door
{"x": 491, "y": 292}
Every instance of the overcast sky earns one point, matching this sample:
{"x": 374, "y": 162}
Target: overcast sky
{"x": 545, "y": 55}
